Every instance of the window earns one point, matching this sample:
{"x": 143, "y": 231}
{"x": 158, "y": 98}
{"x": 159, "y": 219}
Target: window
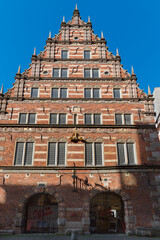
{"x": 92, "y": 119}
{"x": 123, "y": 119}
{"x": 25, "y": 118}
{"x": 87, "y": 92}
{"x": 91, "y": 92}
{"x": 116, "y": 93}
{"x": 63, "y": 72}
{"x": 34, "y": 93}
{"x": 118, "y": 118}
{"x": 127, "y": 119}
{"x": 55, "y": 72}
{"x": 24, "y": 153}
{"x": 64, "y": 54}
{"x": 126, "y": 153}
{"x": 56, "y": 153}
{"x": 57, "y": 118}
{"x": 87, "y": 54}
{"x": 59, "y": 92}
{"x": 91, "y": 73}
{"x": 93, "y": 154}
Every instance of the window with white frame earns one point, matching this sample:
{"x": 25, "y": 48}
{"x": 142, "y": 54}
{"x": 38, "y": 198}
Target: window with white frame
{"x": 116, "y": 93}
{"x": 24, "y": 153}
{"x": 56, "y": 153}
{"x": 87, "y": 54}
{"x": 34, "y": 92}
{"x": 121, "y": 119}
{"x": 25, "y": 118}
{"x": 93, "y": 154}
{"x": 60, "y": 72}
{"x": 92, "y": 118}
{"x": 126, "y": 153}
{"x": 58, "y": 118}
{"x": 64, "y": 54}
{"x": 59, "y": 92}
{"x": 91, "y": 73}
{"x": 91, "y": 93}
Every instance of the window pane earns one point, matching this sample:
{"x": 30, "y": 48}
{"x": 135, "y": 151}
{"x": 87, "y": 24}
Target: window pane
{"x": 97, "y": 118}
{"x": 23, "y": 118}
{"x": 121, "y": 153}
{"x": 28, "y": 154}
{"x": 118, "y": 118}
{"x": 61, "y": 154}
{"x": 98, "y": 153}
{"x": 95, "y": 73}
{"x": 55, "y": 72}
{"x": 34, "y": 92}
{"x": 19, "y": 153}
{"x": 96, "y": 93}
{"x": 87, "y": 73}
{"x": 62, "y": 118}
{"x": 55, "y": 92}
{"x": 127, "y": 119}
{"x": 32, "y": 118}
{"x": 88, "y": 154}
{"x": 130, "y": 153}
{"x": 87, "y": 92}
{"x": 116, "y": 93}
{"x": 64, "y": 72}
{"x": 88, "y": 119}
{"x": 64, "y": 54}
{"x": 63, "y": 93}
{"x": 51, "y": 153}
{"x": 53, "y": 118}
{"x": 87, "y": 54}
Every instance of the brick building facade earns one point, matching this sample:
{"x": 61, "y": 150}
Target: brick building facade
{"x": 78, "y": 143}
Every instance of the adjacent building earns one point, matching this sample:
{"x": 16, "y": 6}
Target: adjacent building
{"x": 156, "y": 95}
{"x": 78, "y": 143}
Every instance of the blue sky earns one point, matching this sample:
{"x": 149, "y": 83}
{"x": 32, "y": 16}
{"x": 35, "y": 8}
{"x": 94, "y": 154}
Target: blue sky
{"x": 132, "y": 26}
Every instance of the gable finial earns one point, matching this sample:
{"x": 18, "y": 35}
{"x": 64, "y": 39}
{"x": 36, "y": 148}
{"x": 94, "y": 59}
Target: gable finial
{"x": 117, "y": 53}
{"x": 19, "y": 69}
{"x": 102, "y": 35}
{"x": 76, "y": 6}
{"x": 63, "y": 19}
{"x": 89, "y": 19}
{"x": 149, "y": 90}
{"x": 34, "y": 53}
{"x": 50, "y": 34}
{"x": 1, "y": 92}
{"x": 132, "y": 70}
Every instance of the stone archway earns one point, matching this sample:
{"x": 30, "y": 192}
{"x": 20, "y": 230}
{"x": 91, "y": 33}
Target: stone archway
{"x": 107, "y": 213}
{"x": 20, "y": 218}
{"x": 129, "y": 216}
{"x": 41, "y": 214}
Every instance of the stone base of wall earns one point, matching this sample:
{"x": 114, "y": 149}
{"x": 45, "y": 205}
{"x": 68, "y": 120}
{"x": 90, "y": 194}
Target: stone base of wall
{"x": 6, "y": 232}
{"x": 148, "y": 232}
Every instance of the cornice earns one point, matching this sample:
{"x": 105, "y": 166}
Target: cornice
{"x": 70, "y": 79}
{"x": 133, "y": 126}
{"x": 77, "y": 60}
{"x": 69, "y": 42}
{"x": 120, "y": 169}
{"x": 102, "y": 100}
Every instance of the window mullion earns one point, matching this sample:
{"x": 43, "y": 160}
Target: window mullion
{"x": 24, "y": 151}
{"x": 56, "y": 154}
{"x": 126, "y": 155}
{"x": 93, "y": 153}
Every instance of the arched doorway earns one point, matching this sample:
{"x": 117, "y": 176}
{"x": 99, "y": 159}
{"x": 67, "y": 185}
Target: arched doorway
{"x": 41, "y": 214}
{"x": 107, "y": 213}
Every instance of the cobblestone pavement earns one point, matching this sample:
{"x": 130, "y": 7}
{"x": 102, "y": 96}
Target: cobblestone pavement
{"x": 89, "y": 237}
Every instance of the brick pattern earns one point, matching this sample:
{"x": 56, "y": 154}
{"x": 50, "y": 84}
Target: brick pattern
{"x": 135, "y": 184}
